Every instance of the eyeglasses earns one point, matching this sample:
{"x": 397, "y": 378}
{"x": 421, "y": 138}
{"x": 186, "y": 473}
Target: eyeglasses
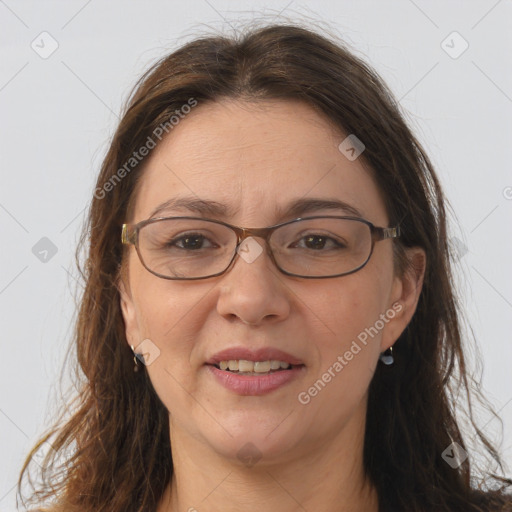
{"x": 310, "y": 247}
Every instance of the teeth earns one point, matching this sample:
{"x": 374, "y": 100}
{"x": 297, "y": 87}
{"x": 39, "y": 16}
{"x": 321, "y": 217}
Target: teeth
{"x": 262, "y": 366}
{"x": 245, "y": 366}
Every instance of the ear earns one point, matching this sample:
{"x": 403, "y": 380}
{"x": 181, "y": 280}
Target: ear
{"x": 129, "y": 312}
{"x": 404, "y": 296}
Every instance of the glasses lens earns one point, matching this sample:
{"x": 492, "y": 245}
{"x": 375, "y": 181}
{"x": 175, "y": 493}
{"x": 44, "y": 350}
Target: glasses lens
{"x": 186, "y": 248}
{"x": 322, "y": 247}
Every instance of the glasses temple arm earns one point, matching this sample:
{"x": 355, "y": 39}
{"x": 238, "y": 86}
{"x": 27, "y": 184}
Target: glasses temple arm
{"x": 127, "y": 237}
{"x": 385, "y": 233}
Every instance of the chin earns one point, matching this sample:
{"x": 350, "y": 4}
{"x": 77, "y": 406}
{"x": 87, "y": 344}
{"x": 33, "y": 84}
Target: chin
{"x": 255, "y": 440}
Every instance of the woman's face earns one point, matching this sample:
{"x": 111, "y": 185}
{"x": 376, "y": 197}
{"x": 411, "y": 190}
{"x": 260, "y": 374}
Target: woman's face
{"x": 255, "y": 160}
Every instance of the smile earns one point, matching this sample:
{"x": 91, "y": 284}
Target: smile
{"x": 245, "y": 367}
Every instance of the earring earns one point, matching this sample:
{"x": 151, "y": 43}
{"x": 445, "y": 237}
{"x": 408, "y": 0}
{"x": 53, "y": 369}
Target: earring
{"x": 387, "y": 357}
{"x": 135, "y": 360}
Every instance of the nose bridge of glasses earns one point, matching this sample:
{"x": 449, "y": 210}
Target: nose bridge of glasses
{"x": 243, "y": 233}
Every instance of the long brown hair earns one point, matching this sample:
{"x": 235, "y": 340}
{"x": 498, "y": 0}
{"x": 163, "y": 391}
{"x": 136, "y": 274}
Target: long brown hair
{"x": 112, "y": 452}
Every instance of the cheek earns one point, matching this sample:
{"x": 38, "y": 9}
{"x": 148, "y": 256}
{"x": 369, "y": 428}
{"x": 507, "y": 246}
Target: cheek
{"x": 349, "y": 346}
{"x": 174, "y": 316}
{"x": 169, "y": 315}
{"x": 348, "y": 308}
{"x": 164, "y": 308}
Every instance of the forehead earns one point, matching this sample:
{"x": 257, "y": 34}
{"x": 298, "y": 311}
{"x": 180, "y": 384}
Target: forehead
{"x": 254, "y": 159}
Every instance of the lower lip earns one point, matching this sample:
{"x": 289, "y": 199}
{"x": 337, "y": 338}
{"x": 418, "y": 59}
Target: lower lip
{"x": 256, "y": 385}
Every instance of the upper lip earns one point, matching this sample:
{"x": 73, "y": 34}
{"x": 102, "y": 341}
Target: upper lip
{"x": 262, "y": 354}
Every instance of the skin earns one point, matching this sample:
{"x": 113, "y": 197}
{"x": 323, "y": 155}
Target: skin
{"x": 252, "y": 157}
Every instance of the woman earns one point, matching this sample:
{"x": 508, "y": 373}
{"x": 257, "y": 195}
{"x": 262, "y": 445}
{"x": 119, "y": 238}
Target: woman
{"x": 302, "y": 362}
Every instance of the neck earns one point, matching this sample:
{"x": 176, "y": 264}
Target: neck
{"x": 328, "y": 477}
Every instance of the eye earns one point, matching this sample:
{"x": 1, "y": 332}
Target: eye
{"x": 317, "y": 242}
{"x": 190, "y": 241}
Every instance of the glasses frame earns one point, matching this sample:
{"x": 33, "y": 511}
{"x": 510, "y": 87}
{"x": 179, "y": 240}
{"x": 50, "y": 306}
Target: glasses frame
{"x": 130, "y": 236}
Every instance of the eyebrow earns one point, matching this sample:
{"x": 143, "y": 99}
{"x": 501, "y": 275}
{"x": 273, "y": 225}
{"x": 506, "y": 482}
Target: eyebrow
{"x": 296, "y": 208}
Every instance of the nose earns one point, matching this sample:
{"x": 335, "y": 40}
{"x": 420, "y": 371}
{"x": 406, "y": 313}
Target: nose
{"x": 252, "y": 289}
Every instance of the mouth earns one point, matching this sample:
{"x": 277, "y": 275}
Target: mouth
{"x": 254, "y": 372}
{"x": 243, "y": 359}
{"x": 246, "y": 367}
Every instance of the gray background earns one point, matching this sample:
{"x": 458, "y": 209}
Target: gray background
{"x": 58, "y": 113}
